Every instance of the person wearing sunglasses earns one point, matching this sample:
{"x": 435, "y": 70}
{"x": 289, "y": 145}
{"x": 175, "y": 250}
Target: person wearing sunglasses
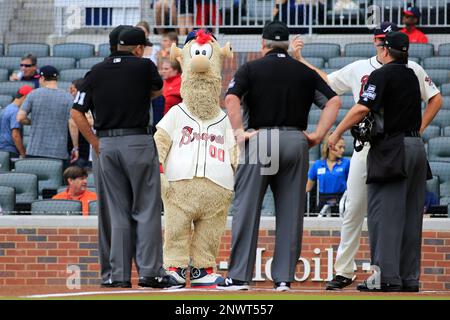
{"x": 28, "y": 71}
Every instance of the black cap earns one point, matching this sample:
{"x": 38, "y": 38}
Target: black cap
{"x": 397, "y": 40}
{"x": 412, "y": 12}
{"x": 48, "y": 72}
{"x": 133, "y": 37}
{"x": 276, "y": 31}
{"x": 114, "y": 34}
{"x": 385, "y": 28}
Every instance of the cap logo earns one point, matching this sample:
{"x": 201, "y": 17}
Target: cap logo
{"x": 277, "y": 37}
{"x": 117, "y": 60}
{"x": 121, "y": 42}
{"x": 388, "y": 29}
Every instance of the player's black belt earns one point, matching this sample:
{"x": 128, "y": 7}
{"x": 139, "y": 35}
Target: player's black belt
{"x": 123, "y": 132}
{"x": 412, "y": 134}
{"x": 283, "y": 128}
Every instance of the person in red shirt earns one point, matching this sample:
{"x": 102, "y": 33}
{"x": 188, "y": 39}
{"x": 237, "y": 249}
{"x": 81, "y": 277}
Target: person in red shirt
{"x": 76, "y": 179}
{"x": 171, "y": 74}
{"x": 411, "y": 17}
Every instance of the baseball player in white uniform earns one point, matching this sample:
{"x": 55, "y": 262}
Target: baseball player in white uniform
{"x": 353, "y": 77}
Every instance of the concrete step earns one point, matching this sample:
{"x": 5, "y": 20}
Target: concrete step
{"x": 32, "y": 26}
{"x": 26, "y": 37}
{"x": 38, "y": 4}
{"x": 32, "y": 14}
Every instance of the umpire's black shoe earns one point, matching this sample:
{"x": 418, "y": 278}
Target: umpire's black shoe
{"x": 115, "y": 284}
{"x": 385, "y": 287}
{"x": 164, "y": 282}
{"x": 410, "y": 289}
{"x": 232, "y": 285}
{"x": 339, "y": 282}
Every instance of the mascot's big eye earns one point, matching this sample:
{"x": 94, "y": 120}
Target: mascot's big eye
{"x": 204, "y": 50}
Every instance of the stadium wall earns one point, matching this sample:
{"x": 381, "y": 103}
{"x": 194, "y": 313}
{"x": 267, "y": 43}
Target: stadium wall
{"x": 51, "y": 251}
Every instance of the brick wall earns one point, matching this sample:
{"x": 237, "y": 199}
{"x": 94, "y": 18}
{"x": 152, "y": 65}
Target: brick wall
{"x": 40, "y": 256}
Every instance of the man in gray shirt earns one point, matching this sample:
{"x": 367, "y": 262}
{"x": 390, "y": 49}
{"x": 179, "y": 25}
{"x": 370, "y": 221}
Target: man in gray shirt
{"x": 50, "y": 113}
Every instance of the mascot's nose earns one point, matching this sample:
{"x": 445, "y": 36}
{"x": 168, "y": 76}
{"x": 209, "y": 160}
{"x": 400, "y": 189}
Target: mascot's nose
{"x": 199, "y": 63}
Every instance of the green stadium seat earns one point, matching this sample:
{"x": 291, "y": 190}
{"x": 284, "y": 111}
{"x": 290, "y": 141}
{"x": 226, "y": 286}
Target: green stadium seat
{"x": 359, "y": 49}
{"x": 7, "y": 199}
{"x": 323, "y": 50}
{"x": 25, "y": 184}
{"x": 5, "y": 100}
{"x": 21, "y": 49}
{"x": 340, "y": 62}
{"x": 444, "y": 49}
{"x": 439, "y": 76}
{"x": 60, "y": 63}
{"x": 10, "y": 88}
{"x": 48, "y": 171}
{"x": 431, "y": 132}
{"x": 436, "y": 63}
{"x": 4, "y": 74}
{"x": 10, "y": 63}
{"x": 421, "y": 50}
{"x": 74, "y": 50}
{"x": 56, "y": 207}
{"x": 103, "y": 50}
{"x": 88, "y": 63}
{"x": 445, "y": 90}
{"x": 439, "y": 149}
{"x": 72, "y": 74}
{"x": 93, "y": 208}
{"x": 4, "y": 161}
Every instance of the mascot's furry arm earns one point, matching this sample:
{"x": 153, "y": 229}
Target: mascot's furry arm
{"x": 163, "y": 144}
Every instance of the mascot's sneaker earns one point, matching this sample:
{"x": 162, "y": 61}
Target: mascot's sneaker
{"x": 232, "y": 285}
{"x": 179, "y": 274}
{"x": 205, "y": 278}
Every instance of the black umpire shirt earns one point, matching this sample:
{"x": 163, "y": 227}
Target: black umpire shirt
{"x": 120, "y": 89}
{"x": 392, "y": 93}
{"x": 278, "y": 90}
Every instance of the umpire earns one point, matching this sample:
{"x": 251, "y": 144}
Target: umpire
{"x": 397, "y": 169}
{"x": 118, "y": 91}
{"x": 278, "y": 92}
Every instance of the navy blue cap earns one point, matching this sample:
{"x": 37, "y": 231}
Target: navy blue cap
{"x": 193, "y": 34}
{"x": 412, "y": 11}
{"x": 276, "y": 30}
{"x": 385, "y": 28}
{"x": 48, "y": 72}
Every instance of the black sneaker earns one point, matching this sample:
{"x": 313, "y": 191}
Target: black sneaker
{"x": 232, "y": 285}
{"x": 282, "y": 286}
{"x": 384, "y": 287}
{"x": 339, "y": 282}
{"x": 115, "y": 284}
{"x": 410, "y": 289}
{"x": 165, "y": 282}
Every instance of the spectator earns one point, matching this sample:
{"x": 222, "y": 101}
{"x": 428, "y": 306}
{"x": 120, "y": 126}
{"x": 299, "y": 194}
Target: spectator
{"x": 150, "y": 51}
{"x": 431, "y": 199}
{"x": 28, "y": 71}
{"x": 165, "y": 13}
{"x": 296, "y": 12}
{"x": 78, "y": 146}
{"x": 171, "y": 74}
{"x": 411, "y": 18}
{"x": 50, "y": 111}
{"x": 185, "y": 16}
{"x": 332, "y": 172}
{"x": 207, "y": 13}
{"x": 76, "y": 180}
{"x": 166, "y": 42}
{"x": 10, "y": 128}
{"x": 345, "y": 5}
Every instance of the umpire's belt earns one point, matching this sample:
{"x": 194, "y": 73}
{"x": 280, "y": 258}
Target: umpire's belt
{"x": 282, "y": 128}
{"x": 123, "y": 132}
{"x": 413, "y": 133}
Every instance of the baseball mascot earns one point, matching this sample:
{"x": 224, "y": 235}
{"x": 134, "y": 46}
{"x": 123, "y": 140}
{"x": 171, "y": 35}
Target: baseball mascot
{"x": 198, "y": 157}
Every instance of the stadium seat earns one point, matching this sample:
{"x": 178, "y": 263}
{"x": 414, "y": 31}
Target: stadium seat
{"x": 4, "y": 74}
{"x": 10, "y": 63}
{"x": 88, "y": 63}
{"x": 314, "y": 153}
{"x": 316, "y": 62}
{"x": 90, "y": 180}
{"x": 347, "y": 102}
{"x": 56, "y": 207}
{"x": 433, "y": 185}
{"x": 314, "y": 116}
{"x": 439, "y": 149}
{"x": 340, "y": 62}
{"x": 323, "y": 50}
{"x": 5, "y": 100}
{"x": 445, "y": 90}
{"x": 4, "y": 161}
{"x": 439, "y": 76}
{"x": 441, "y": 169}
{"x": 442, "y": 119}
{"x": 341, "y": 114}
{"x": 2, "y": 49}
{"x": 21, "y": 49}
{"x": 72, "y": 74}
{"x": 103, "y": 50}
{"x": 25, "y": 184}
{"x": 64, "y": 85}
{"x": 446, "y": 132}
{"x": 444, "y": 49}
{"x": 74, "y": 50}
{"x": 93, "y": 208}
{"x": 48, "y": 171}
{"x": 7, "y": 199}
{"x": 421, "y": 50}
{"x": 436, "y": 63}
{"x": 444, "y": 189}
{"x": 60, "y": 63}
{"x": 26, "y": 130}
{"x": 329, "y": 70}
{"x": 444, "y": 201}
{"x": 10, "y": 88}
{"x": 359, "y": 49}
{"x": 445, "y": 104}
{"x": 415, "y": 59}
{"x": 431, "y": 132}
{"x": 348, "y": 146}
